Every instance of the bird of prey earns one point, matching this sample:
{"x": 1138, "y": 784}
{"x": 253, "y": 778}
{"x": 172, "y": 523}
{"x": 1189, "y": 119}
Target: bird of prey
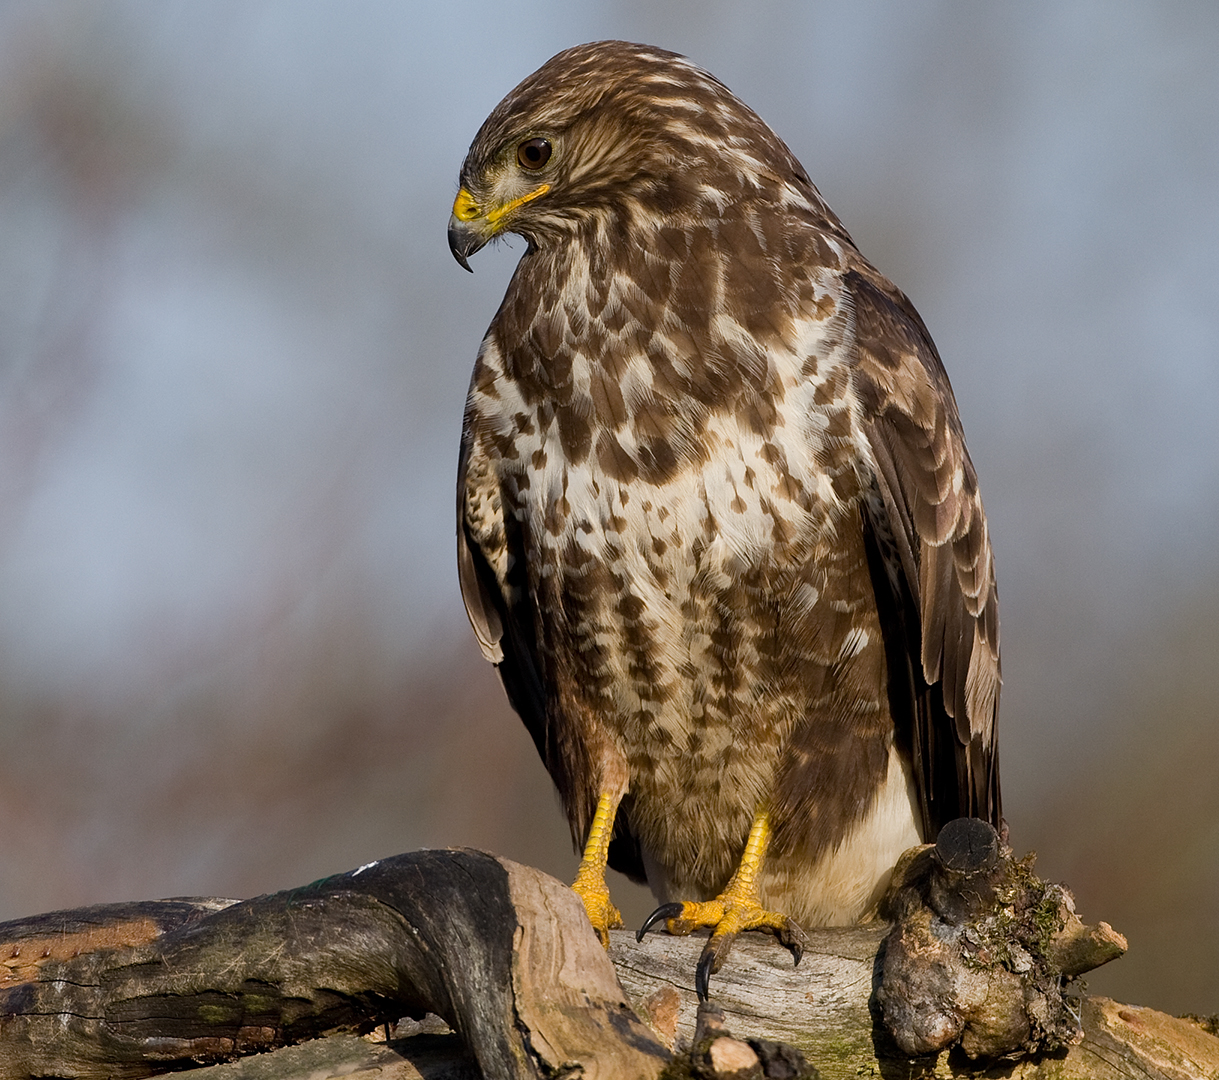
{"x": 717, "y": 526}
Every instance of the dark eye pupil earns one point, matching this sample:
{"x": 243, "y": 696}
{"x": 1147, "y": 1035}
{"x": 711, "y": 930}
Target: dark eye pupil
{"x": 534, "y": 153}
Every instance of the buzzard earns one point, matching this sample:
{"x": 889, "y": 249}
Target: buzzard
{"x": 717, "y": 526}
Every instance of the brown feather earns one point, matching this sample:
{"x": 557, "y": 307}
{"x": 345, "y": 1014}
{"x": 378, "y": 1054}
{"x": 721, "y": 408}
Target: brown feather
{"x": 717, "y": 520}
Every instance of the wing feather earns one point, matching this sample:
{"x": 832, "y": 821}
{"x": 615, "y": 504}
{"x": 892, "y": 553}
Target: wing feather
{"x": 942, "y": 606}
{"x": 504, "y": 632}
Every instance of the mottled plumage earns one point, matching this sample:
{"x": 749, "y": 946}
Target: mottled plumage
{"x": 718, "y": 528}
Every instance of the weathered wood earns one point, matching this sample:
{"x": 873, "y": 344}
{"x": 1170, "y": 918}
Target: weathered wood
{"x": 503, "y": 952}
{"x": 822, "y": 1003}
{"x": 827, "y": 1010}
{"x": 982, "y": 950}
{"x": 425, "y": 1057}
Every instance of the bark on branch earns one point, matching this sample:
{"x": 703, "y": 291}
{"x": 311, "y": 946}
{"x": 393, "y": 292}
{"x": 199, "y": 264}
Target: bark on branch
{"x": 502, "y": 952}
{"x": 483, "y": 942}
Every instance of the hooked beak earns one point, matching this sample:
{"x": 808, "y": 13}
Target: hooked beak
{"x": 464, "y": 240}
{"x": 466, "y": 234}
{"x": 471, "y": 226}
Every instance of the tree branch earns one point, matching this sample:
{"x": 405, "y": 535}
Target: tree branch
{"x": 503, "y": 953}
{"x": 483, "y": 942}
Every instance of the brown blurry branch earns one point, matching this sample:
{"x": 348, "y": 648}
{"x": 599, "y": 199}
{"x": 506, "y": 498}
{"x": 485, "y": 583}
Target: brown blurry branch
{"x": 505, "y": 955}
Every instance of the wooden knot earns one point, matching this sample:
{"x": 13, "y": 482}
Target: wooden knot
{"x": 967, "y": 845}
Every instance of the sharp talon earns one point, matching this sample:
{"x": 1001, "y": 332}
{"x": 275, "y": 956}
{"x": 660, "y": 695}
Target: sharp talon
{"x": 715, "y": 952}
{"x": 702, "y": 975}
{"x": 737, "y": 908}
{"x": 664, "y": 912}
{"x": 794, "y": 940}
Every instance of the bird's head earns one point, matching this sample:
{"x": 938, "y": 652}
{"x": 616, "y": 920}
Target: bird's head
{"x": 603, "y": 128}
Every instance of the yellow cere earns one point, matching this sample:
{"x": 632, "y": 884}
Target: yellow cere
{"x": 464, "y": 206}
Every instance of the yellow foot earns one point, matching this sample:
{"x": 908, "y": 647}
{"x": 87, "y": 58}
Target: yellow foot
{"x": 590, "y": 887}
{"x": 727, "y": 915}
{"x": 737, "y": 908}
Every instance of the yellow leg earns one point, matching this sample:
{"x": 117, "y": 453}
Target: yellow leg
{"x": 737, "y": 908}
{"x": 590, "y": 884}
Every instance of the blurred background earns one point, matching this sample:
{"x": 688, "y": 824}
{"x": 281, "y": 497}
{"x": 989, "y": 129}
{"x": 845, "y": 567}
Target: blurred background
{"x": 234, "y": 350}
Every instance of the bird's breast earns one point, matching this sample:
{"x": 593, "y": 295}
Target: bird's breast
{"x": 679, "y": 600}
{"x": 688, "y": 517}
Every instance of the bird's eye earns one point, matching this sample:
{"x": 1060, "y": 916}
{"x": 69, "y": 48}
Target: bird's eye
{"x": 533, "y": 154}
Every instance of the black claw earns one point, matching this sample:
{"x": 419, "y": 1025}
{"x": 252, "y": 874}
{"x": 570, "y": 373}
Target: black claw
{"x": 665, "y": 911}
{"x": 702, "y": 974}
{"x": 797, "y": 951}
{"x": 715, "y": 952}
{"x": 793, "y": 939}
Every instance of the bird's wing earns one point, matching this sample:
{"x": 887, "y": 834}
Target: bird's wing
{"x": 505, "y": 632}
{"x": 931, "y": 559}
{"x": 504, "y": 618}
